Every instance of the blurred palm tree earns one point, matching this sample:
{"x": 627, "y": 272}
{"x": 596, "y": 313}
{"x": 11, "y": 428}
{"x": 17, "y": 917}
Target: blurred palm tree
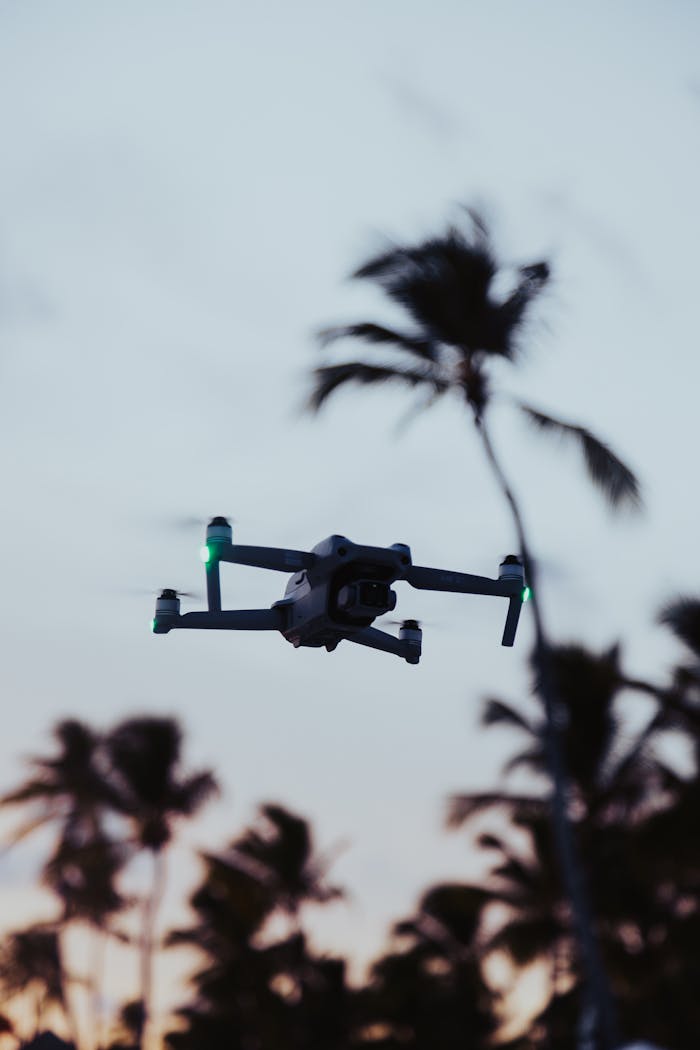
{"x": 630, "y": 810}
{"x": 129, "y": 1026}
{"x": 30, "y": 964}
{"x": 681, "y": 699}
{"x": 428, "y": 993}
{"x": 153, "y": 793}
{"x": 460, "y": 326}
{"x": 71, "y": 792}
{"x": 280, "y": 848}
{"x": 255, "y": 989}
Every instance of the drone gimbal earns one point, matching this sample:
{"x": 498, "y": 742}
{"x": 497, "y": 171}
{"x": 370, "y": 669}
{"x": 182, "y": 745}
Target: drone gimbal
{"x": 335, "y": 593}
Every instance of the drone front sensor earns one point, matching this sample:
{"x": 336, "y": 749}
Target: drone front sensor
{"x": 334, "y": 593}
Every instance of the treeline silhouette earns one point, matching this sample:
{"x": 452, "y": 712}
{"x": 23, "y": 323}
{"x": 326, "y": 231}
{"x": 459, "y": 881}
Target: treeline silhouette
{"x": 259, "y": 983}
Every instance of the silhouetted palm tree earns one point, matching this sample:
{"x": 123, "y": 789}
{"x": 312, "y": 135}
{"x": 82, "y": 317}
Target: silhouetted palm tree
{"x": 428, "y": 993}
{"x": 643, "y": 864}
{"x": 30, "y": 962}
{"x": 459, "y": 326}
{"x": 68, "y": 791}
{"x": 71, "y": 792}
{"x": 253, "y": 990}
{"x": 281, "y": 848}
{"x": 130, "y": 1026}
{"x": 154, "y": 793}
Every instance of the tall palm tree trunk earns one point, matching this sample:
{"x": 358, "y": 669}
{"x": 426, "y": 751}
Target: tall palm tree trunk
{"x": 99, "y": 949}
{"x": 599, "y": 999}
{"x": 150, "y": 912}
{"x": 68, "y": 1008}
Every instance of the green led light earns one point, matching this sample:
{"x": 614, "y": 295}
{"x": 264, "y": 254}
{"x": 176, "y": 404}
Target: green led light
{"x": 526, "y": 594}
{"x": 205, "y": 554}
{"x": 153, "y": 625}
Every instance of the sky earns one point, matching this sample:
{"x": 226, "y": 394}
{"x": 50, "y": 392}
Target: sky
{"x": 184, "y": 189}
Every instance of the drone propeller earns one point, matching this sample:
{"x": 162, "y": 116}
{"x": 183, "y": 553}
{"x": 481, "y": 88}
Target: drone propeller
{"x": 156, "y": 592}
{"x": 409, "y": 624}
{"x": 196, "y": 522}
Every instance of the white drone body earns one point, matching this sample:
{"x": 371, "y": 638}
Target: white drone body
{"x": 335, "y": 593}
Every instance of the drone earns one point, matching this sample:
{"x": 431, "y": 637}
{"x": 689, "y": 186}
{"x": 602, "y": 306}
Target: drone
{"x": 334, "y": 594}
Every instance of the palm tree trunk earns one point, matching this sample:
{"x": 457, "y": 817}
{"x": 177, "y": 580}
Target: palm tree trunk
{"x": 150, "y": 912}
{"x": 38, "y": 1013}
{"x": 99, "y": 948}
{"x": 68, "y": 1010}
{"x": 598, "y": 996}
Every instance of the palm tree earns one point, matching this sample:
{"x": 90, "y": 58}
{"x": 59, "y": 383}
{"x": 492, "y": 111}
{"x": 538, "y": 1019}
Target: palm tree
{"x": 152, "y": 791}
{"x": 459, "y": 327}
{"x": 428, "y": 992}
{"x": 280, "y": 847}
{"x": 30, "y": 962}
{"x": 252, "y": 990}
{"x": 630, "y": 811}
{"x": 130, "y": 1026}
{"x": 70, "y": 791}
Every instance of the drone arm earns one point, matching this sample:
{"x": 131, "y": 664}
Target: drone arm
{"x": 427, "y": 579}
{"x": 278, "y": 558}
{"x": 229, "y": 620}
{"x": 510, "y": 587}
{"x": 370, "y": 636}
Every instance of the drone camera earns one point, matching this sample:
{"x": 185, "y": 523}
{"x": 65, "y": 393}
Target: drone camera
{"x": 367, "y": 598}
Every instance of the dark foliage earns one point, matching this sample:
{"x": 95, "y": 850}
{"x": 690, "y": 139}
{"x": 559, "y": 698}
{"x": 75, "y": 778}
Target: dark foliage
{"x": 145, "y": 756}
{"x": 606, "y": 470}
{"x": 632, "y": 817}
{"x": 253, "y": 992}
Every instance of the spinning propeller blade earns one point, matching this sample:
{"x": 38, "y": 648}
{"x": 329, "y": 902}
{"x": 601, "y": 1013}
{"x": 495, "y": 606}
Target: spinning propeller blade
{"x": 154, "y": 592}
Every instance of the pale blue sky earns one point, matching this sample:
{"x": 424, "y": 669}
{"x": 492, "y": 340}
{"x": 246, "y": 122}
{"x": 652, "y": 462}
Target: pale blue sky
{"x": 183, "y": 189}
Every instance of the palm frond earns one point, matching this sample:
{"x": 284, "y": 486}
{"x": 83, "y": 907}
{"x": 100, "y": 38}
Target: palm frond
{"x": 497, "y": 712}
{"x": 461, "y": 808}
{"x": 379, "y": 265}
{"x": 513, "y": 311}
{"x": 617, "y": 482}
{"x": 520, "y": 875}
{"x": 444, "y": 283}
{"x": 528, "y": 938}
{"x": 194, "y": 791}
{"x": 479, "y": 224}
{"x": 532, "y": 760}
{"x": 33, "y": 791}
{"x": 376, "y": 333}
{"x": 490, "y": 841}
{"x": 29, "y": 827}
{"x": 682, "y": 615}
{"x": 330, "y": 377}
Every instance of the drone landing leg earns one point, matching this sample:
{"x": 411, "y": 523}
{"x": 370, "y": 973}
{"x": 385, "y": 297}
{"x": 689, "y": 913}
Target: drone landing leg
{"x": 514, "y": 606}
